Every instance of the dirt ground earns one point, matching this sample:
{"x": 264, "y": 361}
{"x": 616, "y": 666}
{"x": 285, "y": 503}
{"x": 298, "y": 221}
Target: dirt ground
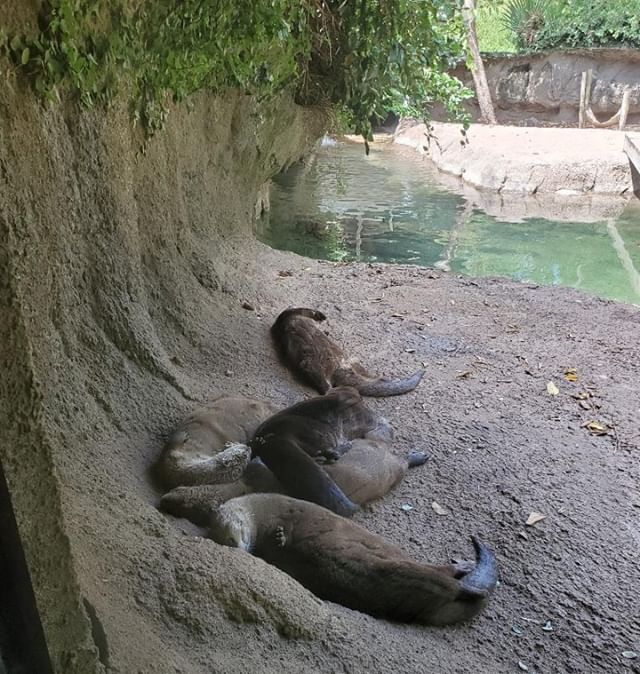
{"x": 502, "y": 448}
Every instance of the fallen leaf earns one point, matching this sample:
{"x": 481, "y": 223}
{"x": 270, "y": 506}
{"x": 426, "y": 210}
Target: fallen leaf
{"x": 438, "y": 509}
{"x": 596, "y": 428}
{"x": 552, "y": 389}
{"x": 534, "y": 518}
{"x": 286, "y": 272}
{"x": 247, "y": 306}
{"x": 465, "y": 375}
{"x": 523, "y": 535}
{"x": 571, "y": 374}
{"x": 584, "y": 404}
{"x": 517, "y": 629}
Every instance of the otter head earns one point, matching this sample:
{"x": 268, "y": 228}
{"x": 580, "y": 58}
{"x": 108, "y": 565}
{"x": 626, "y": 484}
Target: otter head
{"x": 232, "y": 525}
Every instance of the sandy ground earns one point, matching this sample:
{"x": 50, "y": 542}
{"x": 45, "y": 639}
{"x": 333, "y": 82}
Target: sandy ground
{"x": 526, "y": 160}
{"x": 502, "y": 448}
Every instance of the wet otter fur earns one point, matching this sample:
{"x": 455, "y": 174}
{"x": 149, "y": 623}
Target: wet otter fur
{"x": 321, "y": 427}
{"x": 340, "y": 561}
{"x": 367, "y": 472}
{"x": 211, "y": 445}
{"x": 322, "y": 363}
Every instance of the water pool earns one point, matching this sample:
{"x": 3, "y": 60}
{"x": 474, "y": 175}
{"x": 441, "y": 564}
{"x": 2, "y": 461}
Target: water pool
{"x": 389, "y": 207}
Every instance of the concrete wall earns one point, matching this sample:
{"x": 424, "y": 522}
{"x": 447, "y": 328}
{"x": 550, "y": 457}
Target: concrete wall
{"x": 546, "y": 86}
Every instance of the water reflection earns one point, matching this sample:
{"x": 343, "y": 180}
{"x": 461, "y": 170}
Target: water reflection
{"x": 343, "y": 205}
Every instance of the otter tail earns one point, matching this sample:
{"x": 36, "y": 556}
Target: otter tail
{"x": 483, "y": 579}
{"x": 300, "y": 475}
{"x": 377, "y": 387}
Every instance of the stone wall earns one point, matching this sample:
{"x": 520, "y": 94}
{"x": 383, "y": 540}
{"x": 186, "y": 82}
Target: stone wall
{"x": 115, "y": 257}
{"x": 545, "y": 87}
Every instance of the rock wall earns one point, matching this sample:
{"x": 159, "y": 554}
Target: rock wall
{"x": 117, "y": 265}
{"x": 546, "y": 86}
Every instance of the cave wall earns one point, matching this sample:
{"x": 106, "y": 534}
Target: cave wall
{"x": 118, "y": 264}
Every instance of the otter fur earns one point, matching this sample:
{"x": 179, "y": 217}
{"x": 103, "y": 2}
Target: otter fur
{"x": 321, "y": 427}
{"x": 211, "y": 445}
{"x": 342, "y": 562}
{"x": 322, "y": 363}
{"x": 367, "y": 472}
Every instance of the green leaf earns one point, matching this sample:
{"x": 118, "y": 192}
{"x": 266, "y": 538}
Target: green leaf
{"x": 24, "y": 58}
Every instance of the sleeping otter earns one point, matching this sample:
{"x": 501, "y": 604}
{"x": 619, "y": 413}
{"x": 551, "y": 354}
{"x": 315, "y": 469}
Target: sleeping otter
{"x": 342, "y": 562}
{"x": 368, "y": 471}
{"x": 323, "y": 427}
{"x": 308, "y": 351}
{"x": 211, "y": 445}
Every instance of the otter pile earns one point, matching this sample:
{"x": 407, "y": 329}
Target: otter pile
{"x": 279, "y": 485}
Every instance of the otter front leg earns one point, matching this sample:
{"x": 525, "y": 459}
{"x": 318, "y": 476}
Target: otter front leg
{"x": 332, "y": 454}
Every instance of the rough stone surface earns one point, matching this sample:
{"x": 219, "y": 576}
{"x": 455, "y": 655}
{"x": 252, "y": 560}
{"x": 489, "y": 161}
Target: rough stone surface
{"x": 545, "y": 87}
{"x": 511, "y": 159}
{"x": 122, "y": 280}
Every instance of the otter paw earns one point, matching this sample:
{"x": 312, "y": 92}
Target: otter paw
{"x": 417, "y": 459}
{"x": 462, "y": 567}
{"x": 280, "y": 536}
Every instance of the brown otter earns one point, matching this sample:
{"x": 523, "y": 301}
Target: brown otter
{"x": 319, "y": 427}
{"x": 342, "y": 562}
{"x": 368, "y": 471}
{"x": 211, "y": 445}
{"x": 308, "y": 351}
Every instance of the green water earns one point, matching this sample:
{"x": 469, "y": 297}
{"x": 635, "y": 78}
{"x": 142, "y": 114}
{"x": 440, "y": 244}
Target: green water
{"x": 343, "y": 205}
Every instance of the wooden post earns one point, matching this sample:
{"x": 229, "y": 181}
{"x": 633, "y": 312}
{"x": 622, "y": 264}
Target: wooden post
{"x": 581, "y": 109}
{"x": 624, "y": 109}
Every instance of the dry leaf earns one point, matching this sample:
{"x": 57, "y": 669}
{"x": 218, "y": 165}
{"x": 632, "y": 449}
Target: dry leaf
{"x": 438, "y": 509}
{"x": 534, "y": 518}
{"x": 552, "y": 389}
{"x": 595, "y": 427}
{"x": 465, "y": 375}
{"x": 286, "y": 272}
{"x": 571, "y": 374}
{"x": 584, "y": 404}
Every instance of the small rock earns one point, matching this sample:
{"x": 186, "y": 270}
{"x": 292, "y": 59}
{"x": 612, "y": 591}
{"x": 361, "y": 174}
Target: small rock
{"x": 248, "y": 307}
{"x": 517, "y": 629}
{"x": 522, "y": 666}
{"x": 548, "y": 626}
{"x": 406, "y": 507}
{"x": 228, "y": 373}
{"x": 629, "y": 655}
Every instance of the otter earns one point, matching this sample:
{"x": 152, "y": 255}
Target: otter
{"x": 322, "y": 363}
{"x": 342, "y": 562}
{"x": 367, "y": 472}
{"x": 211, "y": 445}
{"x": 320, "y": 427}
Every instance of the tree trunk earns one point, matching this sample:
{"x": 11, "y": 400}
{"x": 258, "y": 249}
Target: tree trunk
{"x": 479, "y": 76}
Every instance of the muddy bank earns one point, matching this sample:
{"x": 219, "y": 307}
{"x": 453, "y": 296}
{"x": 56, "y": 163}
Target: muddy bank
{"x": 526, "y": 160}
{"x": 123, "y": 280}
